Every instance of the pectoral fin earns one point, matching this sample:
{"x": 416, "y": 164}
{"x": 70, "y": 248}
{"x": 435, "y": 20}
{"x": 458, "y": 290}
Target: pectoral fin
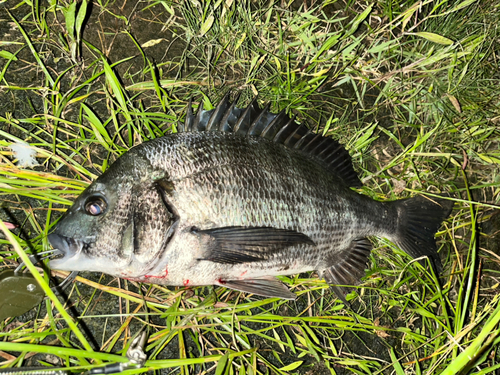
{"x": 267, "y": 287}
{"x": 233, "y": 245}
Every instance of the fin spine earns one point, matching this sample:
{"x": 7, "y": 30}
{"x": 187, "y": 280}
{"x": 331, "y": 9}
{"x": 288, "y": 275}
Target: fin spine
{"x": 280, "y": 128}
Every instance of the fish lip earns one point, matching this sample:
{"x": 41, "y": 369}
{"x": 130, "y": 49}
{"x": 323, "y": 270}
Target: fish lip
{"x": 67, "y": 248}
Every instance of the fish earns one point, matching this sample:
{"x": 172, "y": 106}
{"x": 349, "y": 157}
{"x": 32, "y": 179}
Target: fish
{"x": 234, "y": 198}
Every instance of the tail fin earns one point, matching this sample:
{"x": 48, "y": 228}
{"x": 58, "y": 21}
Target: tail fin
{"x": 419, "y": 218}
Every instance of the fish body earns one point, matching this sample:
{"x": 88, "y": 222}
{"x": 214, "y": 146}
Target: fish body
{"x": 234, "y": 199}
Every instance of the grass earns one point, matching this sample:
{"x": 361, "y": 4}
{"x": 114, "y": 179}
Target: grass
{"x": 410, "y": 87}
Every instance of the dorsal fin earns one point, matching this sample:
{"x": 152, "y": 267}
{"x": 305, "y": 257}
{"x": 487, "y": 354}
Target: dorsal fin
{"x": 280, "y": 128}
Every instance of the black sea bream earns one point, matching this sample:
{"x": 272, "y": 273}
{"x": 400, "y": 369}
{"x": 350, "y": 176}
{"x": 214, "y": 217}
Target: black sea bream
{"x": 235, "y": 198}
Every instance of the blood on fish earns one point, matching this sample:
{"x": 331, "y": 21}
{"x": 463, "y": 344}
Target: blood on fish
{"x": 158, "y": 277}
{"x": 220, "y": 281}
{"x": 186, "y": 282}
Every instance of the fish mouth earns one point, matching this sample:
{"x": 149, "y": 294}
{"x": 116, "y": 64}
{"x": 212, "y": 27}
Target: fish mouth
{"x": 67, "y": 248}
{"x": 70, "y": 255}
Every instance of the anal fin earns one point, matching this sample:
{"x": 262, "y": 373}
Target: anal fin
{"x": 348, "y": 267}
{"x": 267, "y": 287}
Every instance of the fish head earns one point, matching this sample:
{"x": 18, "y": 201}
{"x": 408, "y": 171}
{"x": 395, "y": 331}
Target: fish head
{"x": 119, "y": 225}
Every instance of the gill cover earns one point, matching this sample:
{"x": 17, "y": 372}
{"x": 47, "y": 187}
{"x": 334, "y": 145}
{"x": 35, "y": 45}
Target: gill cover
{"x": 119, "y": 225}
{"x": 152, "y": 226}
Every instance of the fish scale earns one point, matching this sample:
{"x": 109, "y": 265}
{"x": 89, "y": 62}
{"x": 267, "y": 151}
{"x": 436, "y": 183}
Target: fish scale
{"x": 291, "y": 200}
{"x": 234, "y": 199}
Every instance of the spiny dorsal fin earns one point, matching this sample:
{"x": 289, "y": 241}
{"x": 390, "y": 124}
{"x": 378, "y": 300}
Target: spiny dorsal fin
{"x": 279, "y": 128}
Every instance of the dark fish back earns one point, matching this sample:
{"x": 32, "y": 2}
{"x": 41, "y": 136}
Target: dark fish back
{"x": 254, "y": 121}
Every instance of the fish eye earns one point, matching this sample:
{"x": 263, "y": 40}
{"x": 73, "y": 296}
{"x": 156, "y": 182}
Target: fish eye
{"x": 95, "y": 206}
